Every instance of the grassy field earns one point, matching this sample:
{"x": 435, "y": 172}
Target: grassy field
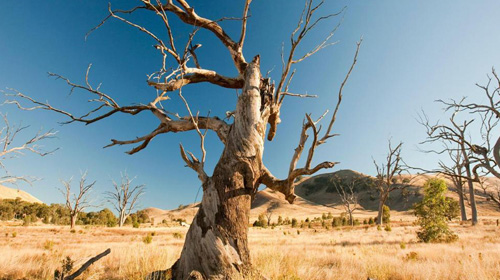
{"x": 35, "y": 252}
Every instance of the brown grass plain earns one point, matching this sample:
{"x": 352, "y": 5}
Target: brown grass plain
{"x": 35, "y": 252}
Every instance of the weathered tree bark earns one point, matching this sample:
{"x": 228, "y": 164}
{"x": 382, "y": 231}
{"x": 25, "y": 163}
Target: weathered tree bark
{"x": 216, "y": 244}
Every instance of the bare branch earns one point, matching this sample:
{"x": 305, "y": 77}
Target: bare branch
{"x": 12, "y": 148}
{"x": 334, "y": 116}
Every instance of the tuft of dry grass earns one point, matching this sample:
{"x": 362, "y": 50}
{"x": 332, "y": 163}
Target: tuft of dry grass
{"x": 347, "y": 253}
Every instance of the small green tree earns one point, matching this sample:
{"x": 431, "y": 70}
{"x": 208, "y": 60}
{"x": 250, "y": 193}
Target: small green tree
{"x": 263, "y": 220}
{"x": 453, "y": 209}
{"x": 432, "y": 213}
{"x": 386, "y": 214}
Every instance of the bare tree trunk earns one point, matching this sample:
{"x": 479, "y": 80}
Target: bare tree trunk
{"x": 73, "y": 220}
{"x": 472, "y": 198}
{"x": 122, "y": 218}
{"x": 460, "y": 190}
{"x": 216, "y": 244}
{"x": 381, "y": 209}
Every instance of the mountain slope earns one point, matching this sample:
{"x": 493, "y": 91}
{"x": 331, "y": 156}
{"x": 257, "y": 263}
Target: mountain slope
{"x": 317, "y": 195}
{"x": 10, "y": 193}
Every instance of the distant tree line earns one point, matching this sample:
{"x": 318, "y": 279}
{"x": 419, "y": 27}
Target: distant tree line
{"x": 59, "y": 214}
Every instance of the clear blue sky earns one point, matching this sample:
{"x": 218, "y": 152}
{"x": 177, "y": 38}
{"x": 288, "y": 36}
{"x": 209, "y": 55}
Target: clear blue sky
{"x": 413, "y": 53}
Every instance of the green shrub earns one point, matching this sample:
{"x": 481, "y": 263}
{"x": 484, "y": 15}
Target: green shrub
{"x": 386, "y": 214}
{"x": 177, "y": 235}
{"x": 147, "y": 239}
{"x": 48, "y": 244}
{"x": 294, "y": 222}
{"x": 412, "y": 256}
{"x": 453, "y": 209}
{"x": 370, "y": 221}
{"x": 387, "y": 227}
{"x": 337, "y": 222}
{"x": 136, "y": 224}
{"x": 14, "y": 234}
{"x": 432, "y": 213}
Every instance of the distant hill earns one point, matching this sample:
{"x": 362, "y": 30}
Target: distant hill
{"x": 10, "y": 193}
{"x": 317, "y": 195}
{"x": 321, "y": 190}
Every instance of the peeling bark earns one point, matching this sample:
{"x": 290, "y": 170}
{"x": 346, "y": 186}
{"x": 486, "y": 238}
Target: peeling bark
{"x": 216, "y": 244}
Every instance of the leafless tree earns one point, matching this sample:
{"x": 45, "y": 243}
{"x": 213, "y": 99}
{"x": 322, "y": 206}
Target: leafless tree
{"x": 11, "y": 148}
{"x": 269, "y": 215}
{"x": 76, "y": 202}
{"x": 389, "y": 176}
{"x": 455, "y": 172}
{"x": 348, "y": 196}
{"x": 124, "y": 197}
{"x": 452, "y": 167}
{"x": 486, "y": 156}
{"x": 455, "y": 134}
{"x": 223, "y": 215}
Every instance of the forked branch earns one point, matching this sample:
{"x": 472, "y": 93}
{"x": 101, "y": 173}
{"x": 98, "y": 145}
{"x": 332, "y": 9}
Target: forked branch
{"x": 287, "y": 186}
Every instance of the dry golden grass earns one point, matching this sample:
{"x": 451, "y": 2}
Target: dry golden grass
{"x": 35, "y": 252}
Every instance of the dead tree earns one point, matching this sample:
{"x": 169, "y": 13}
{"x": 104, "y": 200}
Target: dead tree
{"x": 124, "y": 197}
{"x": 59, "y": 274}
{"x": 269, "y": 215}
{"x": 487, "y": 154}
{"x": 455, "y": 134}
{"x": 11, "y": 148}
{"x": 453, "y": 167}
{"x": 389, "y": 177}
{"x": 348, "y": 196}
{"x": 455, "y": 172}
{"x": 76, "y": 202}
{"x": 216, "y": 244}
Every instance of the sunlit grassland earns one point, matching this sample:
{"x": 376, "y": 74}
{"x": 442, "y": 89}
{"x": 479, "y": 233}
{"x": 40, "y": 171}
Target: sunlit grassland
{"x": 35, "y": 252}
